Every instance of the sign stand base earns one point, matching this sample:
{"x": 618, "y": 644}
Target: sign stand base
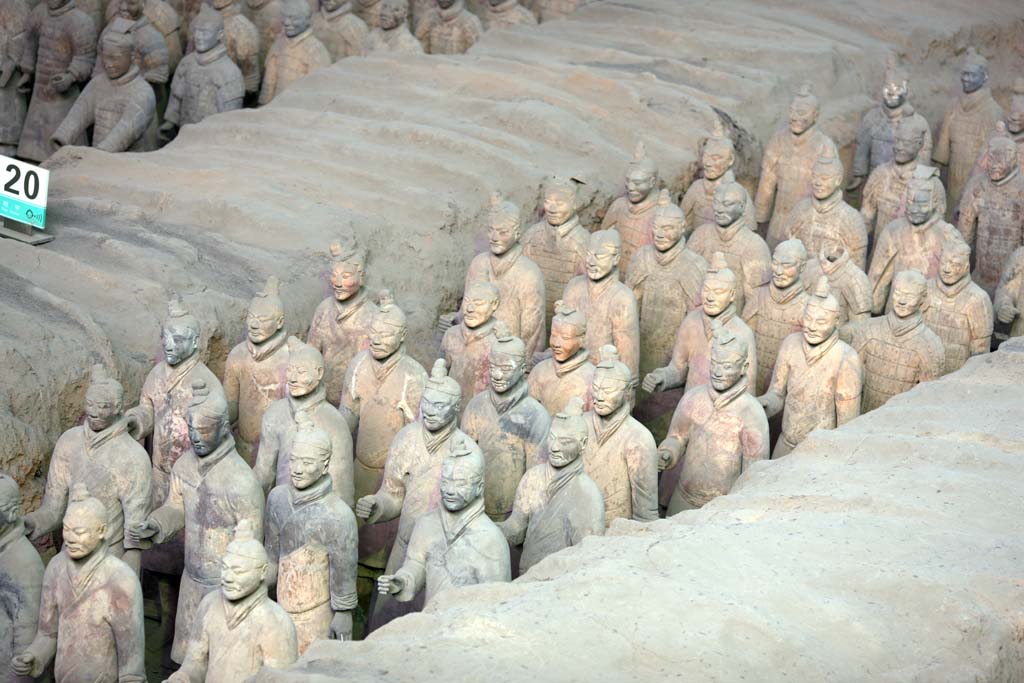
{"x": 28, "y": 235}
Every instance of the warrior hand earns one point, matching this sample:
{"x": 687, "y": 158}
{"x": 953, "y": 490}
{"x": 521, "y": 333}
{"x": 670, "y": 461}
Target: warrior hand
{"x": 23, "y": 664}
{"x": 389, "y": 584}
{"x": 654, "y": 381}
{"x": 25, "y": 84}
{"x": 142, "y": 530}
{"x": 855, "y": 183}
{"x": 57, "y": 142}
{"x": 62, "y": 82}
{"x": 6, "y": 71}
{"x": 167, "y": 131}
{"x": 1007, "y": 312}
{"x": 667, "y": 453}
{"x": 446, "y": 320}
{"x": 30, "y": 525}
{"x": 341, "y": 626}
{"x": 133, "y": 424}
{"x": 367, "y": 508}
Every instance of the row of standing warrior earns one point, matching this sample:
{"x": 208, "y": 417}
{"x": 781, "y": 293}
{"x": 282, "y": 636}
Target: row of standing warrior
{"x": 339, "y": 463}
{"x": 140, "y": 89}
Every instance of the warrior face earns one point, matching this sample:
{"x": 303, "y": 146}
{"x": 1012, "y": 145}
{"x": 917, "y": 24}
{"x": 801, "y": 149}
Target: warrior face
{"x": 973, "y": 77}
{"x": 1001, "y": 161}
{"x": 303, "y": 375}
{"x": 639, "y": 185}
{"x": 818, "y": 323}
{"x": 385, "y": 339}
{"x": 346, "y": 280}
{"x": 787, "y": 265}
{"x": 954, "y": 265}
{"x": 206, "y": 38}
{"x": 894, "y": 94}
{"x": 331, "y": 5}
{"x": 920, "y": 208}
{"x": 502, "y": 236}
{"x": 83, "y": 531}
{"x": 907, "y": 145}
{"x": 601, "y": 260}
{"x": 505, "y": 371}
{"x": 716, "y": 160}
{"x": 180, "y": 343}
{"x": 205, "y": 432}
{"x": 717, "y": 294}
{"x": 726, "y": 368}
{"x": 117, "y": 59}
{"x": 477, "y": 308}
{"x": 461, "y": 482}
{"x": 565, "y": 340}
{"x": 559, "y": 206}
{"x": 907, "y": 296}
{"x": 564, "y": 444}
{"x": 438, "y": 409}
{"x": 728, "y": 205}
{"x": 667, "y": 233}
{"x": 392, "y": 14}
{"x": 263, "y": 322}
{"x": 609, "y": 391}
{"x": 802, "y": 115}
{"x": 130, "y": 9}
{"x": 1015, "y": 117}
{"x": 295, "y": 17}
{"x": 240, "y": 576}
{"x": 307, "y": 464}
{"x": 825, "y": 180}
{"x": 102, "y": 407}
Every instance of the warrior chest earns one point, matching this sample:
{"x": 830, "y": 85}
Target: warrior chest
{"x": 947, "y": 317}
{"x": 109, "y": 110}
{"x": 890, "y": 366}
{"x": 55, "y": 47}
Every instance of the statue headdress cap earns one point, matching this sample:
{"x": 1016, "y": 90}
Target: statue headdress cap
{"x": 179, "y": 315}
{"x": 207, "y": 400}
{"x": 1001, "y": 139}
{"x": 502, "y": 212}
{"x": 245, "y": 543}
{"x": 346, "y": 250}
{"x": 791, "y": 246}
{"x": 666, "y": 209}
{"x": 894, "y": 71}
{"x": 1017, "y": 98}
{"x": 805, "y": 94}
{"x": 723, "y": 339}
{"x": 308, "y": 433}
{"x": 100, "y": 379}
{"x": 827, "y": 162}
{"x": 719, "y": 138}
{"x": 208, "y": 17}
{"x": 821, "y": 296}
{"x": 268, "y": 300}
{"x": 974, "y": 60}
{"x": 571, "y": 417}
{"x": 606, "y": 238}
{"x": 718, "y": 268}
{"x": 642, "y": 162}
{"x": 466, "y": 450}
{"x": 440, "y": 381}
{"x": 610, "y": 361}
{"x": 560, "y": 185}
{"x": 565, "y": 313}
{"x": 388, "y": 311}
{"x": 79, "y": 498}
{"x": 955, "y": 245}
{"x": 299, "y": 351}
{"x": 506, "y": 343}
{"x": 116, "y": 39}
{"x": 912, "y": 125}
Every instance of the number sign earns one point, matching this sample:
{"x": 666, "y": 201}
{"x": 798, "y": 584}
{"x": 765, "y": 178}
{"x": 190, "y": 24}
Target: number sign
{"x": 23, "y": 190}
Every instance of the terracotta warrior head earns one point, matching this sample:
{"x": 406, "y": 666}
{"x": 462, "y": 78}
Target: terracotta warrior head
{"x": 207, "y": 29}
{"x": 130, "y": 9}
{"x": 388, "y": 328}
{"x": 180, "y": 332}
{"x": 462, "y": 475}
{"x": 954, "y": 262}
{"x": 604, "y": 250}
{"x": 567, "y": 436}
{"x": 821, "y": 313}
{"x": 85, "y": 524}
{"x": 504, "y": 225}
{"x": 244, "y": 566}
{"x": 348, "y": 269}
{"x": 974, "y": 72}
{"x": 803, "y": 111}
{"x": 568, "y": 332}
{"x": 641, "y": 176}
{"x": 719, "y": 289}
{"x": 296, "y": 16}
{"x": 104, "y": 400}
{"x": 1015, "y": 116}
{"x": 441, "y": 397}
{"x": 788, "y": 263}
{"x": 719, "y": 154}
{"x": 922, "y": 201}
{"x": 506, "y": 360}
{"x": 559, "y": 201}
{"x": 207, "y": 417}
{"x": 311, "y": 453}
{"x": 10, "y": 503}
{"x": 909, "y": 139}
{"x": 896, "y": 83}
{"x": 669, "y": 223}
{"x": 116, "y": 53}
{"x": 479, "y": 303}
{"x": 728, "y": 358}
{"x": 393, "y": 14}
{"x": 909, "y": 288}
{"x": 826, "y": 176}
{"x": 728, "y": 204}
{"x": 266, "y": 313}
{"x": 1002, "y": 154}
{"x": 305, "y": 368}
{"x": 613, "y": 382}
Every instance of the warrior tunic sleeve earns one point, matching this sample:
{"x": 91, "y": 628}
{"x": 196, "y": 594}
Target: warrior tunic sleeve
{"x": 145, "y": 413}
{"x": 861, "y": 157}
{"x": 136, "y": 117}
{"x": 754, "y": 440}
{"x": 414, "y": 570}
{"x": 171, "y": 115}
{"x": 127, "y": 627}
{"x": 83, "y": 47}
{"x": 849, "y": 386}
{"x": 134, "y": 493}
{"x": 881, "y": 271}
{"x": 869, "y": 198}
{"x": 392, "y": 488}
{"x": 197, "y": 657}
{"x": 970, "y": 208}
{"x": 941, "y": 152}
{"x": 269, "y": 87}
{"x": 55, "y": 497}
{"x": 27, "y": 61}
{"x": 170, "y": 517}
{"x": 1010, "y": 280}
{"x": 642, "y": 465}
{"x": 343, "y": 553}
{"x": 44, "y": 645}
{"x": 769, "y": 180}
{"x": 981, "y": 321}
{"x": 265, "y": 468}
{"x": 80, "y": 117}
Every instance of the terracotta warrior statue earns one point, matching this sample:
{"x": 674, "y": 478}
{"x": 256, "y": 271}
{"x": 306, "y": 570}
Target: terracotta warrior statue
{"x": 968, "y": 122}
{"x": 242, "y": 41}
{"x": 557, "y": 504}
{"x": 632, "y": 214}
{"x": 306, "y": 394}
{"x": 717, "y": 158}
{"x": 207, "y": 81}
{"x": 549, "y": 10}
{"x": 466, "y": 346}
{"x": 958, "y": 310}
{"x": 788, "y": 162}
{"x": 268, "y": 18}
{"x": 393, "y": 34}
{"x": 1014, "y": 130}
{"x": 898, "y": 350}
{"x": 164, "y": 19}
{"x": 111, "y": 464}
{"x": 341, "y": 31}
{"x": 557, "y": 243}
{"x": 876, "y": 138}
{"x": 718, "y": 430}
{"x": 666, "y": 279}
{"x": 1009, "y": 299}
{"x": 312, "y": 542}
{"x": 21, "y": 575}
{"x": 118, "y": 104}
{"x": 371, "y": 11}
{"x": 58, "y": 57}
{"x": 296, "y": 52}
{"x": 848, "y": 283}
{"x": 733, "y": 235}
{"x": 448, "y": 29}
{"x": 150, "y": 53}
{"x": 413, "y": 468}
{"x": 256, "y": 372}
{"x": 239, "y": 629}
{"x": 508, "y": 424}
{"x": 212, "y": 490}
{"x": 826, "y": 214}
{"x": 13, "y": 29}
{"x": 777, "y": 308}
{"x": 568, "y": 372}
{"x": 992, "y": 216}
{"x": 455, "y": 544}
{"x": 381, "y": 394}
{"x": 620, "y": 454}
{"x": 885, "y": 194}
{"x": 90, "y": 617}
{"x": 340, "y": 325}
{"x": 518, "y": 279}
{"x": 818, "y": 377}
{"x": 504, "y": 13}
{"x": 913, "y": 241}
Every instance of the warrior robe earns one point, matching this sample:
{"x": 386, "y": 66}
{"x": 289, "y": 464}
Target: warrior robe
{"x": 290, "y": 59}
{"x": 966, "y": 127}
{"x": 698, "y": 202}
{"x": 745, "y": 253}
{"x": 876, "y": 138}
{"x": 449, "y": 31}
{"x": 992, "y": 222}
{"x": 622, "y": 459}
{"x": 209, "y": 496}
{"x": 819, "y": 386}
{"x": 342, "y": 32}
{"x": 255, "y": 376}
{"x": 1010, "y": 291}
{"x": 813, "y": 221}
{"x": 897, "y": 356}
{"x": 21, "y": 575}
{"x": 14, "y": 16}
{"x": 553, "y": 383}
{"x": 634, "y": 223}
{"x": 885, "y": 195}
{"x": 849, "y": 285}
{"x": 397, "y": 40}
{"x": 961, "y": 316}
{"x": 521, "y": 286}
{"x": 466, "y": 351}
{"x": 554, "y": 508}
{"x": 91, "y": 617}
{"x": 278, "y": 434}
{"x": 266, "y": 17}
{"x": 204, "y": 84}
{"x": 242, "y": 40}
{"x": 121, "y": 113}
{"x": 904, "y": 246}
{"x": 773, "y": 315}
{"x": 511, "y": 430}
{"x": 560, "y": 252}
{"x": 449, "y": 550}
{"x": 612, "y": 317}
{"x": 723, "y": 434}
{"x": 506, "y": 14}
{"x": 340, "y": 330}
{"x": 312, "y": 544}
{"x": 979, "y": 174}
